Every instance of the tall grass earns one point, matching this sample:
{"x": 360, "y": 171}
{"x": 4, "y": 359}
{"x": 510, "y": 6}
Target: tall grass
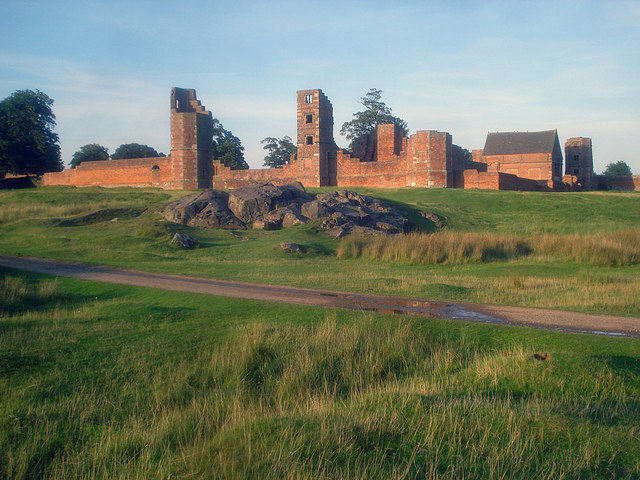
{"x": 128, "y": 383}
{"x": 14, "y": 212}
{"x": 620, "y": 248}
{"x": 17, "y": 294}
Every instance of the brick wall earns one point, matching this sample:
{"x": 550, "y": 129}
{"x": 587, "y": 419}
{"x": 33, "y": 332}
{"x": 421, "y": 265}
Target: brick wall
{"x": 138, "y": 172}
{"x": 618, "y": 183}
{"x": 17, "y": 181}
{"x": 422, "y": 160}
{"x": 305, "y": 171}
{"x": 495, "y": 181}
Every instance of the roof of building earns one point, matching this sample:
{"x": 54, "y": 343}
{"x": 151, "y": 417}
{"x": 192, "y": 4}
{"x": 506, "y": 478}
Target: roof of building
{"x": 508, "y": 143}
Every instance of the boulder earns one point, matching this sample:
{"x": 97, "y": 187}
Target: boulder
{"x": 315, "y": 209}
{"x": 266, "y": 224}
{"x": 290, "y": 247}
{"x": 203, "y": 209}
{"x": 184, "y": 240}
{"x": 252, "y": 201}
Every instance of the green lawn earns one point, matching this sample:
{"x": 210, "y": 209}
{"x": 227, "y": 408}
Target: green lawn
{"x": 107, "y": 381}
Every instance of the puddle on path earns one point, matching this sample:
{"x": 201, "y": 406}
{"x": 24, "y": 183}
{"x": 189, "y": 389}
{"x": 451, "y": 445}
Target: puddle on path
{"x": 452, "y": 312}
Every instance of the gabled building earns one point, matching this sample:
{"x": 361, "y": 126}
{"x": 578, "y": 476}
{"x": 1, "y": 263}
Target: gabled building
{"x": 528, "y": 155}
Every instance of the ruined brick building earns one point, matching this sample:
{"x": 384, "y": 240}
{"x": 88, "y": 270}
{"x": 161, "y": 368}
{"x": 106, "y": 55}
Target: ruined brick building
{"x": 383, "y": 158}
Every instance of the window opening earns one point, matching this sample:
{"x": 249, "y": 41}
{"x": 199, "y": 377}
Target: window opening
{"x": 308, "y": 98}
{"x": 309, "y": 119}
{"x": 309, "y": 140}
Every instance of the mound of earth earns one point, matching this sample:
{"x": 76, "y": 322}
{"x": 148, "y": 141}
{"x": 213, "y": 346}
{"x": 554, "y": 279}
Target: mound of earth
{"x": 269, "y": 207}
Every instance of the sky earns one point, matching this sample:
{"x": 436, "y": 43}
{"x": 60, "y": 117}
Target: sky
{"x": 464, "y": 67}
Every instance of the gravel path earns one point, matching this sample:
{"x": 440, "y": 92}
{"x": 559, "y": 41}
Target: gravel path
{"x": 497, "y": 314}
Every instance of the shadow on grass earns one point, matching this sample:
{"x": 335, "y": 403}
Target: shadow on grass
{"x": 422, "y": 221}
{"x": 34, "y": 293}
{"x": 621, "y": 363}
{"x": 106, "y": 215}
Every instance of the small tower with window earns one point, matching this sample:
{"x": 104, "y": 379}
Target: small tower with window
{"x": 578, "y": 156}
{"x": 316, "y": 146}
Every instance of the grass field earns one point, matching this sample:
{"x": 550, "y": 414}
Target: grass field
{"x": 74, "y": 224}
{"x": 106, "y": 381}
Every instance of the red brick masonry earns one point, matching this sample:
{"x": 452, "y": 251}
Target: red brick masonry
{"x": 384, "y": 158}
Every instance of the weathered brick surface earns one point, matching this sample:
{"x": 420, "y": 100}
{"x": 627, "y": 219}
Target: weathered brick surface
{"x": 578, "y": 156}
{"x": 293, "y": 172}
{"x": 495, "y": 181}
{"x": 191, "y": 141}
{"x": 385, "y": 158}
{"x": 422, "y": 160}
{"x": 142, "y": 172}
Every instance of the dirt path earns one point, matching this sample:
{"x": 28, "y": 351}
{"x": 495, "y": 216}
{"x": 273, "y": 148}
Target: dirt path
{"x": 532, "y": 317}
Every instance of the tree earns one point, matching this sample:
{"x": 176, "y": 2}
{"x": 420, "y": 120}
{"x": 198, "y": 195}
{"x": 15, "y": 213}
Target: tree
{"x": 375, "y": 113}
{"x": 227, "y": 148}
{"x": 134, "y": 150}
{"x": 28, "y": 144}
{"x": 92, "y": 152}
{"x": 280, "y": 151}
{"x": 617, "y": 169}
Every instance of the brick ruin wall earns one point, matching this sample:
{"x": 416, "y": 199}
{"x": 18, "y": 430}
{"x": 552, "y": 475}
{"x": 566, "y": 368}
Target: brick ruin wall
{"x": 618, "y": 183}
{"x": 294, "y": 171}
{"x": 426, "y": 161}
{"x": 133, "y": 172}
{"x": 421, "y": 160}
{"x": 385, "y": 158}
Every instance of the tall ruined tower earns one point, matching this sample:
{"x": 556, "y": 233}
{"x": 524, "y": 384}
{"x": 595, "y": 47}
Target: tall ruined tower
{"x": 316, "y": 147}
{"x": 191, "y": 141}
{"x": 579, "y": 160}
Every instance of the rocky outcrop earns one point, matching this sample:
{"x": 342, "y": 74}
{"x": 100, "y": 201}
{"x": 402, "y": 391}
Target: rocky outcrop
{"x": 203, "y": 209}
{"x": 269, "y": 207}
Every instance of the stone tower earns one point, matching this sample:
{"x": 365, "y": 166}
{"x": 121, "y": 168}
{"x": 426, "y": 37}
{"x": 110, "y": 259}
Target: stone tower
{"x": 317, "y": 149}
{"x": 579, "y": 160}
{"x": 191, "y": 141}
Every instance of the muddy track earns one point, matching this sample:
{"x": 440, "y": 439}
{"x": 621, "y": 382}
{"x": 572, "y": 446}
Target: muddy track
{"x": 496, "y": 314}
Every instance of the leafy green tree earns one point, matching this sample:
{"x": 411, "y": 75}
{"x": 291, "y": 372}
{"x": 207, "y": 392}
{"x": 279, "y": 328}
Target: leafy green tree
{"x": 28, "y": 144}
{"x": 134, "y": 150}
{"x": 92, "y": 152}
{"x": 375, "y": 113}
{"x": 280, "y": 151}
{"x": 227, "y": 148}
{"x": 617, "y": 169}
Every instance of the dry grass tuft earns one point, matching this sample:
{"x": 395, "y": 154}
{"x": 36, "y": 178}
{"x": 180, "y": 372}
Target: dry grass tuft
{"x": 603, "y": 249}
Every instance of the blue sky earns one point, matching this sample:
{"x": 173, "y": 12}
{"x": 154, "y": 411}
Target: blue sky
{"x": 463, "y": 67}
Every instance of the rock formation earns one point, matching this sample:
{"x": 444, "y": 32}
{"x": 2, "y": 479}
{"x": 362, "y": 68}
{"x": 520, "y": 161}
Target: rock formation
{"x": 269, "y": 207}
